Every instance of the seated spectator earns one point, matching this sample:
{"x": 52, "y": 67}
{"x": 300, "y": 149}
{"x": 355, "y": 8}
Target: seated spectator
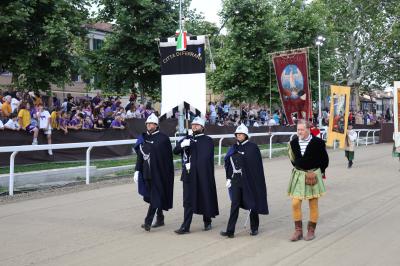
{"x": 99, "y": 124}
{"x": 77, "y": 122}
{"x": 63, "y": 122}
{"x": 25, "y": 121}
{"x": 12, "y": 123}
{"x": 6, "y": 108}
{"x": 55, "y": 118}
{"x": 131, "y": 112}
{"x": 117, "y": 123}
{"x": 272, "y": 122}
{"x": 108, "y": 120}
{"x": 87, "y": 123}
{"x": 44, "y": 118}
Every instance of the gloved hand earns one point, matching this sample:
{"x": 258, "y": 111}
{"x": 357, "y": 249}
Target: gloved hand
{"x": 185, "y": 143}
{"x": 136, "y": 177}
{"x": 228, "y": 183}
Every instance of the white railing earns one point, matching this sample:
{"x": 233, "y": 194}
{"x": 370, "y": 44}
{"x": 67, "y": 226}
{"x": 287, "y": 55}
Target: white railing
{"x": 90, "y": 145}
{"x": 366, "y": 137}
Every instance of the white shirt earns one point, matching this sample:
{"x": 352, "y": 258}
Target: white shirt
{"x": 304, "y": 143}
{"x": 44, "y": 120}
{"x": 14, "y": 104}
{"x": 1, "y": 124}
{"x": 272, "y": 122}
{"x": 12, "y": 124}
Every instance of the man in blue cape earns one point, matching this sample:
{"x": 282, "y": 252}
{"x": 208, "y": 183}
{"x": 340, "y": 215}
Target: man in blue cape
{"x": 199, "y": 190}
{"x": 245, "y": 181}
{"x": 154, "y": 172}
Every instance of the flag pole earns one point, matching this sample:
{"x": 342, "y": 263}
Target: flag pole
{"x": 180, "y": 15}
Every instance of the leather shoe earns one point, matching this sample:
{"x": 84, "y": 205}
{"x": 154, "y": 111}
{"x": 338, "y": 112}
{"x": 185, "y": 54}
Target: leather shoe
{"x": 207, "y": 227}
{"x": 254, "y": 232}
{"x": 146, "y": 227}
{"x": 158, "y": 224}
{"x": 182, "y": 231}
{"x": 227, "y": 234}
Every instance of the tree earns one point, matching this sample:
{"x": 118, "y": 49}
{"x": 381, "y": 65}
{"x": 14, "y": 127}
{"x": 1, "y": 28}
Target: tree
{"x": 130, "y": 58}
{"x": 40, "y": 40}
{"x": 365, "y": 37}
{"x": 255, "y": 29}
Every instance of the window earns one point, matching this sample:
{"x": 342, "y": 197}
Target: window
{"x": 97, "y": 44}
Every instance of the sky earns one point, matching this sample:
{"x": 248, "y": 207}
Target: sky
{"x": 209, "y": 8}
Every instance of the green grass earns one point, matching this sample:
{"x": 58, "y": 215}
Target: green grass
{"x": 110, "y": 163}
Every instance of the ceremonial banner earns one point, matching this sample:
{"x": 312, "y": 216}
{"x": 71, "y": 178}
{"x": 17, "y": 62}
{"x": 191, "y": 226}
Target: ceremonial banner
{"x": 183, "y": 75}
{"x": 396, "y": 115}
{"x": 339, "y": 114}
{"x": 291, "y": 70}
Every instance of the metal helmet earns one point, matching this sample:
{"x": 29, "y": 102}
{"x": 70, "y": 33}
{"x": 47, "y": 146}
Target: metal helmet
{"x": 152, "y": 119}
{"x": 199, "y": 121}
{"x": 242, "y": 129}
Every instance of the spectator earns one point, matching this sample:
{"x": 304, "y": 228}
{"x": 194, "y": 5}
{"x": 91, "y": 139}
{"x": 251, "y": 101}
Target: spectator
{"x": 99, "y": 124}
{"x": 272, "y": 122}
{"x": 15, "y": 101}
{"x": 12, "y": 123}
{"x": 131, "y": 112}
{"x": 56, "y": 101}
{"x": 276, "y": 117}
{"x": 64, "y": 106}
{"x": 64, "y": 122}
{"x": 117, "y": 123}
{"x": 44, "y": 118}
{"x": 1, "y": 125}
{"x": 108, "y": 120}
{"x": 87, "y": 123}
{"x": 213, "y": 113}
{"x": 6, "y": 107}
{"x": 55, "y": 118}
{"x": 37, "y": 99}
{"x": 25, "y": 121}
{"x": 77, "y": 122}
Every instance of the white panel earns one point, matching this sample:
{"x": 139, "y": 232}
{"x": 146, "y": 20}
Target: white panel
{"x": 396, "y": 113}
{"x": 190, "y": 88}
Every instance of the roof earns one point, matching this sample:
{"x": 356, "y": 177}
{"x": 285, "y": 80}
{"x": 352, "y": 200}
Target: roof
{"x": 100, "y": 26}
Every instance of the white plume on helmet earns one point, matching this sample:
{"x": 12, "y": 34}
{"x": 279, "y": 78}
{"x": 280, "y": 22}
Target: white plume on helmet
{"x": 198, "y": 121}
{"x": 152, "y": 119}
{"x": 242, "y": 129}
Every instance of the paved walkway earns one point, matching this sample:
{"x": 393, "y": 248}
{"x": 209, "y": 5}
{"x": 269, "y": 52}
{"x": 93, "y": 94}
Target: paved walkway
{"x": 359, "y": 224}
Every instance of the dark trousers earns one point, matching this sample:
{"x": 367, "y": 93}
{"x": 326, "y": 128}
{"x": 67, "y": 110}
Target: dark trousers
{"x": 237, "y": 194}
{"x": 188, "y": 213}
{"x": 150, "y": 215}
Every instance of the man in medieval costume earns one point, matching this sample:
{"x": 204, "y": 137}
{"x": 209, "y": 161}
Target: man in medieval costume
{"x": 350, "y": 143}
{"x": 199, "y": 190}
{"x": 154, "y": 172}
{"x": 310, "y": 160}
{"x": 245, "y": 181}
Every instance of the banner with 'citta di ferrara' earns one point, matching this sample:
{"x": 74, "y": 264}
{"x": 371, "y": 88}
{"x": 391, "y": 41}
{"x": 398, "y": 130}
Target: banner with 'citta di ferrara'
{"x": 183, "y": 76}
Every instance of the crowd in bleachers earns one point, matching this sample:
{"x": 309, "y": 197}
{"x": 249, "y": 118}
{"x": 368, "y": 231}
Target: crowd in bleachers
{"x": 32, "y": 112}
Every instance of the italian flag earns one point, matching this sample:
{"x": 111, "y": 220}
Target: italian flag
{"x": 182, "y": 42}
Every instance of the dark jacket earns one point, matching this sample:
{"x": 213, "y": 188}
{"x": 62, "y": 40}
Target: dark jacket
{"x": 247, "y": 158}
{"x": 314, "y": 157}
{"x": 199, "y": 182}
{"x": 158, "y": 170}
